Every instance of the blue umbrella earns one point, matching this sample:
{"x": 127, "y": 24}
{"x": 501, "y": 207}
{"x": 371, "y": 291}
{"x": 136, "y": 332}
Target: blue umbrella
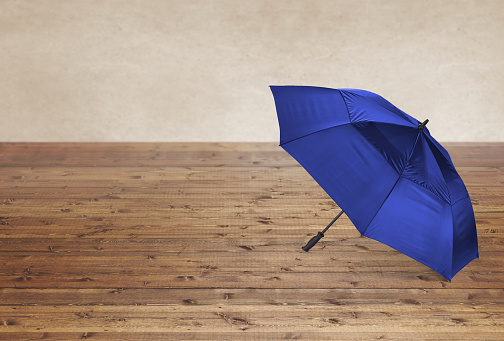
{"x": 382, "y": 167}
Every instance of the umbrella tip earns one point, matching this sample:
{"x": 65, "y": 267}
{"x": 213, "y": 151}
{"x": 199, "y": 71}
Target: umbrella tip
{"x": 422, "y": 125}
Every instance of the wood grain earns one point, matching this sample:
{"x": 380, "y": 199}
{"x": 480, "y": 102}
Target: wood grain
{"x": 202, "y": 241}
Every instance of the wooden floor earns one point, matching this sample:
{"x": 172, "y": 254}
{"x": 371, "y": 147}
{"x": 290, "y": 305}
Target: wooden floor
{"x": 203, "y": 242}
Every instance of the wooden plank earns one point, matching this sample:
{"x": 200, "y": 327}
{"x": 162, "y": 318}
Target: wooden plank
{"x": 268, "y": 278}
{"x": 224, "y": 334}
{"x": 266, "y": 311}
{"x": 469, "y": 298}
{"x": 278, "y": 240}
{"x": 239, "y": 258}
{"x": 268, "y": 317}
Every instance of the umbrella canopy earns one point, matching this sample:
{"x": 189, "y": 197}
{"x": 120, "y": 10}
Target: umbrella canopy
{"x": 394, "y": 181}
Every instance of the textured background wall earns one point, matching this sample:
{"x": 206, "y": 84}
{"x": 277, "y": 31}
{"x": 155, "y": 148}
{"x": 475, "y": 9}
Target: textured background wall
{"x": 87, "y": 70}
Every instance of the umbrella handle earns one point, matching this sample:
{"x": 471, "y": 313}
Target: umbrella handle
{"x": 311, "y": 243}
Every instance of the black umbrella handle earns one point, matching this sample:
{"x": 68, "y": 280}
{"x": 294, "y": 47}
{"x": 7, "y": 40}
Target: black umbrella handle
{"x": 311, "y": 243}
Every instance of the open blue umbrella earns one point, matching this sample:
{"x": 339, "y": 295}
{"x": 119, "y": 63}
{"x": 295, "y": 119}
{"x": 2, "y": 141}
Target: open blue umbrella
{"x": 382, "y": 167}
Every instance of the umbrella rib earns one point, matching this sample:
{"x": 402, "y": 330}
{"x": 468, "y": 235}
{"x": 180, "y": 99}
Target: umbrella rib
{"x": 430, "y": 190}
{"x": 398, "y": 178}
{"x": 405, "y": 117}
{"x": 335, "y": 126}
{"x": 453, "y": 203}
{"x": 346, "y": 105}
{"x": 318, "y": 131}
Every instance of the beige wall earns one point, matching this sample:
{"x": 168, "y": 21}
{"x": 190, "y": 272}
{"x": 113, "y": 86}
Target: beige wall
{"x": 199, "y": 70}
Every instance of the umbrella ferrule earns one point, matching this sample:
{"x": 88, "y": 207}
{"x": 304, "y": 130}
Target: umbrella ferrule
{"x": 422, "y": 125}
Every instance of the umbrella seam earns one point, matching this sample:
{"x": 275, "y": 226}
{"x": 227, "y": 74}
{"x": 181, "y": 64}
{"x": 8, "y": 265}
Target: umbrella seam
{"x": 420, "y": 184}
{"x": 370, "y": 101}
{"x": 340, "y": 125}
{"x": 427, "y": 188}
{"x": 374, "y": 102}
{"x": 466, "y": 197}
{"x": 430, "y": 141}
{"x": 318, "y": 131}
{"x": 346, "y": 105}
{"x": 398, "y": 178}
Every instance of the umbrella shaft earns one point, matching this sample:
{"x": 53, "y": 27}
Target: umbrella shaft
{"x": 332, "y": 222}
